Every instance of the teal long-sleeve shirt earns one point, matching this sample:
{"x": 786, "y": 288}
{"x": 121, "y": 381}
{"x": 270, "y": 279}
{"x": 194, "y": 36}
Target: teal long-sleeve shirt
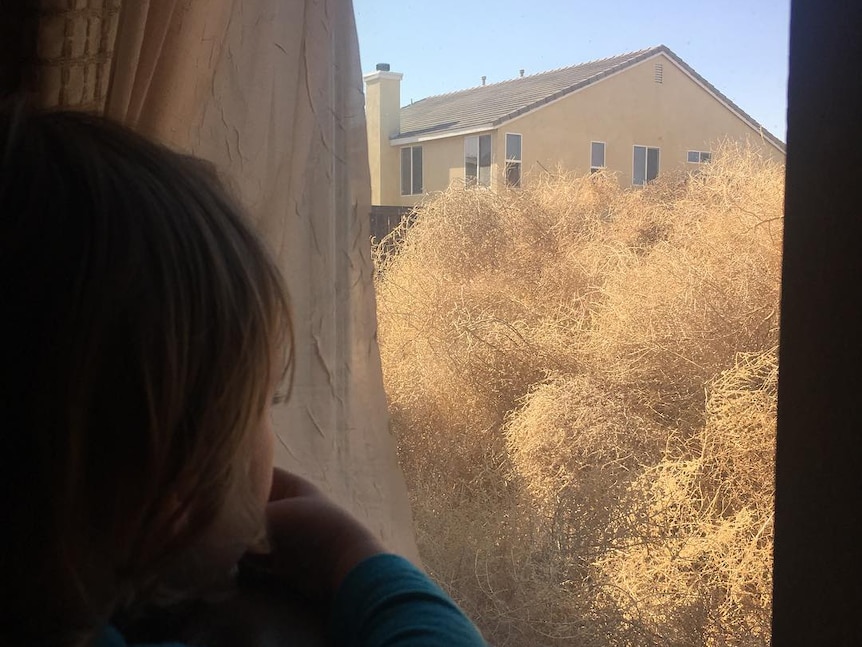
{"x": 384, "y": 601}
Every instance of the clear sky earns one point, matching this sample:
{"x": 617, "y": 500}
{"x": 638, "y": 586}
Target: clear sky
{"x": 741, "y": 47}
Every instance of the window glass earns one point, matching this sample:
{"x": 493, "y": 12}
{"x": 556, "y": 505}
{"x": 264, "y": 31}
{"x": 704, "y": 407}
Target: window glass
{"x": 417, "y": 169}
{"x": 507, "y": 326}
{"x": 597, "y": 155}
{"x": 652, "y": 164}
{"x": 471, "y": 160}
{"x": 405, "y": 171}
{"x": 485, "y": 160}
{"x": 513, "y": 174}
{"x": 513, "y": 147}
{"x": 639, "y": 166}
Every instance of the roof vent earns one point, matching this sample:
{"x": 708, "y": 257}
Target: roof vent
{"x": 483, "y": 79}
{"x": 521, "y": 73}
{"x": 383, "y": 67}
{"x": 659, "y": 73}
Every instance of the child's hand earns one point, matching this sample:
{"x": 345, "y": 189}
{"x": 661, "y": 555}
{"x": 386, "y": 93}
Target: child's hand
{"x": 315, "y": 543}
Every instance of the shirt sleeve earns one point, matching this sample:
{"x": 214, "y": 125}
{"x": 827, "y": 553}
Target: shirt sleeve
{"x": 385, "y": 601}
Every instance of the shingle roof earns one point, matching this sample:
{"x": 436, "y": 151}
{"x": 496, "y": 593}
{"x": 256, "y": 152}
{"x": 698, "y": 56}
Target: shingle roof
{"x": 491, "y": 105}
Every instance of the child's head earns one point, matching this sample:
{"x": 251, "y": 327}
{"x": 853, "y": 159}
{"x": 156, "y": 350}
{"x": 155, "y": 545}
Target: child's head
{"x": 143, "y": 328}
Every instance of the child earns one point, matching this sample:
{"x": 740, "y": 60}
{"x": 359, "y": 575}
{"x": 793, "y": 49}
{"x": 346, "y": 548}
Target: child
{"x": 144, "y": 333}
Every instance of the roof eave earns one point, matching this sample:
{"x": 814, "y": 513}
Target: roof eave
{"x": 709, "y": 87}
{"x": 408, "y": 138}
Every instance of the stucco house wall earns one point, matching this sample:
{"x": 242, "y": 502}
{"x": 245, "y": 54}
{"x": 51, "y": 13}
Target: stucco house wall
{"x": 443, "y": 163}
{"x": 625, "y": 110}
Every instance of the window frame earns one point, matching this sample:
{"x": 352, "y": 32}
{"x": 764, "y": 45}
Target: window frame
{"x": 476, "y": 181}
{"x": 412, "y": 187}
{"x": 594, "y": 169}
{"x": 511, "y": 160}
{"x": 647, "y": 149}
{"x": 700, "y": 157}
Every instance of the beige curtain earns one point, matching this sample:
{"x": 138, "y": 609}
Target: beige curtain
{"x": 271, "y": 92}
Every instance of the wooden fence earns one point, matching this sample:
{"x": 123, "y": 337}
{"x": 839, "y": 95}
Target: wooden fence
{"x": 384, "y": 219}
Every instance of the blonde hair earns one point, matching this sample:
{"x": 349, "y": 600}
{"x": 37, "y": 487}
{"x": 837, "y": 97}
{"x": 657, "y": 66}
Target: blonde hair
{"x": 142, "y": 322}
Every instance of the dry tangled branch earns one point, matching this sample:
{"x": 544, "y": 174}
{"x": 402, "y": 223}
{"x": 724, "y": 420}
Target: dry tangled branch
{"x": 582, "y": 387}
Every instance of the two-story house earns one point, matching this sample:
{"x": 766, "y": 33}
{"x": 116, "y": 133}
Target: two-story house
{"x": 636, "y": 115}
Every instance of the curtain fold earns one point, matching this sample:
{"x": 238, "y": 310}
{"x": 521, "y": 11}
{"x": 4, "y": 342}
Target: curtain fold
{"x": 271, "y": 92}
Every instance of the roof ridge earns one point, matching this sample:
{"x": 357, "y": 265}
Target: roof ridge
{"x": 632, "y": 54}
{"x": 510, "y": 98}
{"x": 626, "y": 60}
{"x": 590, "y": 62}
{"x": 627, "y": 55}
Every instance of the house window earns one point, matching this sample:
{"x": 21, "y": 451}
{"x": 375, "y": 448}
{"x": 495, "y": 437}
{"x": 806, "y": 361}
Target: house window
{"x": 645, "y": 165}
{"x": 699, "y": 157}
{"x": 477, "y": 160}
{"x": 411, "y": 170}
{"x": 513, "y": 160}
{"x": 597, "y": 156}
